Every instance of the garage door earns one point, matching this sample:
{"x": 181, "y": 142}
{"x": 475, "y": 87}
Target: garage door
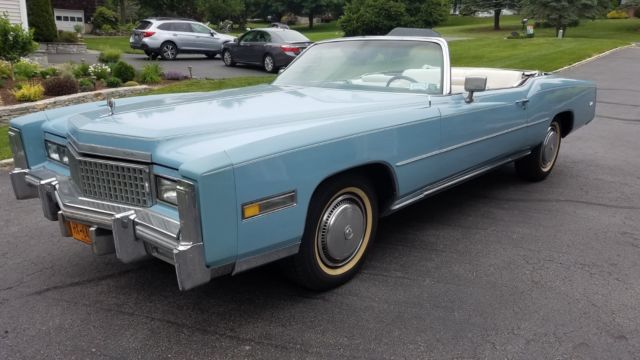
{"x": 67, "y": 19}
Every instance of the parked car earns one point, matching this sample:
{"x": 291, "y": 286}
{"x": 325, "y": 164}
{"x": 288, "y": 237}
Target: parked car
{"x": 354, "y": 129}
{"x": 168, "y": 37}
{"x": 271, "y": 48}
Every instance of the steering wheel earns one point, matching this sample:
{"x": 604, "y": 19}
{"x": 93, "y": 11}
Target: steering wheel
{"x": 401, "y": 77}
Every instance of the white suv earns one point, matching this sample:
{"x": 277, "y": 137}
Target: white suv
{"x": 167, "y": 37}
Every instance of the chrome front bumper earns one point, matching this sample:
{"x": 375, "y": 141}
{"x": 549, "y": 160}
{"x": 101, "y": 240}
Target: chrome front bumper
{"x": 131, "y": 233}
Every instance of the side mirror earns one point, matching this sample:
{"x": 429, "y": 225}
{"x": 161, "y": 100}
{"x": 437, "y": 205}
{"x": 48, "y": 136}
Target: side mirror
{"x": 212, "y": 33}
{"x": 473, "y": 84}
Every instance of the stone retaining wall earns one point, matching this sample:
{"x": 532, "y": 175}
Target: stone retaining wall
{"x": 9, "y": 112}
{"x": 64, "y": 48}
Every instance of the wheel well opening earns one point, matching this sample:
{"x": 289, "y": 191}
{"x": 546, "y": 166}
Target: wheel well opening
{"x": 381, "y": 177}
{"x": 566, "y": 122}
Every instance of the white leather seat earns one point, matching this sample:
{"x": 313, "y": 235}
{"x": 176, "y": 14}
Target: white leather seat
{"x": 496, "y": 78}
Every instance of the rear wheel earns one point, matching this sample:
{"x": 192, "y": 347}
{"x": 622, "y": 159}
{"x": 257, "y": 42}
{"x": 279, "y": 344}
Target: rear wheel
{"x": 539, "y": 164}
{"x": 269, "y": 64}
{"x": 169, "y": 51}
{"x": 341, "y": 224}
{"x": 227, "y": 58}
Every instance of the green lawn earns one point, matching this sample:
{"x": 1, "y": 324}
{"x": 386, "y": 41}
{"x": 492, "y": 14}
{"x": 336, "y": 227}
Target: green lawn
{"x": 5, "y": 151}
{"x": 101, "y": 43}
{"x": 211, "y": 85}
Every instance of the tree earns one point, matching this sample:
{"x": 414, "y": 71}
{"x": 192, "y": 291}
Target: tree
{"x": 15, "y": 42}
{"x": 373, "y": 17}
{"x": 311, "y": 8}
{"x": 220, "y": 10}
{"x": 561, "y": 13}
{"x": 40, "y": 17}
{"x": 491, "y": 5}
{"x": 427, "y": 14}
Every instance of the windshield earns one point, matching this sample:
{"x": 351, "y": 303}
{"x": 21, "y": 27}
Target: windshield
{"x": 388, "y": 65}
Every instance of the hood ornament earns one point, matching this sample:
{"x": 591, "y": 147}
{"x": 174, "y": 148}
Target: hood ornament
{"x": 111, "y": 104}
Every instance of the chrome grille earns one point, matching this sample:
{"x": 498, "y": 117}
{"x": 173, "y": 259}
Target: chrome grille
{"x": 112, "y": 181}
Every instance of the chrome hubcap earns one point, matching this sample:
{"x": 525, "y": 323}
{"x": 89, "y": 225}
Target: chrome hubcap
{"x": 550, "y": 148}
{"x": 268, "y": 63}
{"x": 341, "y": 230}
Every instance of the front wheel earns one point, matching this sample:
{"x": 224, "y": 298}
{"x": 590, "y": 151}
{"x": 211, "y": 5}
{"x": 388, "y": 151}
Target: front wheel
{"x": 227, "y": 58}
{"x": 341, "y": 224}
{"x": 538, "y": 165}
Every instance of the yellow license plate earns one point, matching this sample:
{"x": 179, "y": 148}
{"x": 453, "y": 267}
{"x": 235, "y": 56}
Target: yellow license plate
{"x": 80, "y": 232}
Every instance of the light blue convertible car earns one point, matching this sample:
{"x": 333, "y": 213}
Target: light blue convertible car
{"x": 354, "y": 129}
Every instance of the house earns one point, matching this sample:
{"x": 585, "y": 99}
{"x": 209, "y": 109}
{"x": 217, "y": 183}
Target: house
{"x": 68, "y": 13}
{"x": 16, "y": 10}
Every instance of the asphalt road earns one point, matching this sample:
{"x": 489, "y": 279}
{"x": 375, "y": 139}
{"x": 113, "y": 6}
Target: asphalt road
{"x": 201, "y": 66}
{"x": 497, "y": 268}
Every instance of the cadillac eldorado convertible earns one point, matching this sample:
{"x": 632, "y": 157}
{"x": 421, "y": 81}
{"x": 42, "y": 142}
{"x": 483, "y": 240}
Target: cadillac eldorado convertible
{"x": 355, "y": 128}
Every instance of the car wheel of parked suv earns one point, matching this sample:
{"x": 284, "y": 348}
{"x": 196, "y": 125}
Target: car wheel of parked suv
{"x": 168, "y": 50}
{"x": 228, "y": 60}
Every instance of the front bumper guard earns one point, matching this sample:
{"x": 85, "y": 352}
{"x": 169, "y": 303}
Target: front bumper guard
{"x": 133, "y": 234}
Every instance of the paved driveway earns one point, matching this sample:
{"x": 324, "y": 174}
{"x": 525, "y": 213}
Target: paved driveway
{"x": 496, "y": 269}
{"x": 202, "y": 67}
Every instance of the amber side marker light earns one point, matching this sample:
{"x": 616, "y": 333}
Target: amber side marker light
{"x": 268, "y": 205}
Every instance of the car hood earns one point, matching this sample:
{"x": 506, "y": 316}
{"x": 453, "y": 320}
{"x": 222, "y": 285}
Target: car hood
{"x": 243, "y": 124}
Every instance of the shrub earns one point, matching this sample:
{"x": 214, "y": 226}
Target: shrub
{"x": 151, "y": 74}
{"x": 124, "y": 71}
{"x": 28, "y": 92}
{"x": 104, "y": 17}
{"x": 78, "y": 28}
{"x": 68, "y": 37}
{"x": 113, "y": 82}
{"x": 100, "y": 71}
{"x": 40, "y": 17}
{"x": 373, "y": 17}
{"x": 636, "y": 12}
{"x": 130, "y": 83}
{"x": 80, "y": 70}
{"x": 85, "y": 85}
{"x": 48, "y": 72}
{"x": 175, "y": 75}
{"x": 26, "y": 69}
{"x": 15, "y": 42}
{"x": 5, "y": 69}
{"x": 617, "y": 14}
{"x": 109, "y": 56}
{"x": 60, "y": 85}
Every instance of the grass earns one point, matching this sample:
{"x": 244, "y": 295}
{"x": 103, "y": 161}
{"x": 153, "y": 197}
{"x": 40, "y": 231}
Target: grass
{"x": 5, "y": 150}
{"x": 211, "y": 85}
{"x": 101, "y": 43}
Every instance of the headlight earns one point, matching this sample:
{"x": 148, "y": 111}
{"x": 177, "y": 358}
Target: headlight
{"x": 57, "y": 152}
{"x": 167, "y": 190}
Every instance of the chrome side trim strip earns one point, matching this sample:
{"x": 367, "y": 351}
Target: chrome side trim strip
{"x": 261, "y": 259}
{"x": 107, "y": 151}
{"x": 454, "y": 180}
{"x": 457, "y": 146}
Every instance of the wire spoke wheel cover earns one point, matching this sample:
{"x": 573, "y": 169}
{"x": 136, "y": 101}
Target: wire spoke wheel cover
{"x": 343, "y": 231}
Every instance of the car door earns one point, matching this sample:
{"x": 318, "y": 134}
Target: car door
{"x": 205, "y": 39}
{"x": 244, "y": 48}
{"x": 486, "y": 130}
{"x": 183, "y": 36}
{"x": 258, "y": 49}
